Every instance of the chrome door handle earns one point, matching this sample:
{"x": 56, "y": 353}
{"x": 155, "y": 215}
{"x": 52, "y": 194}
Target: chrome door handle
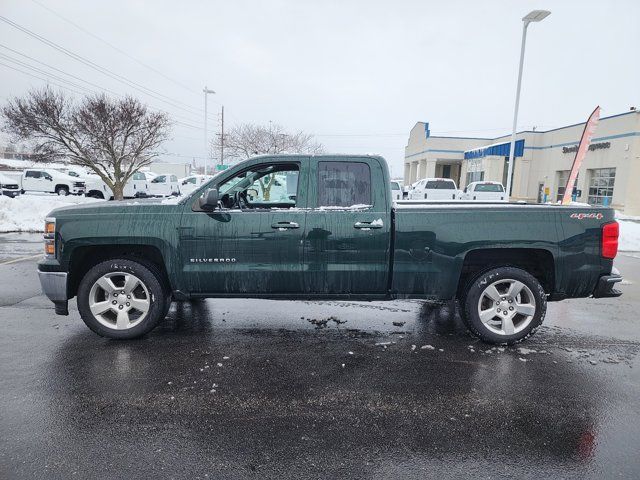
{"x": 284, "y": 225}
{"x": 367, "y": 225}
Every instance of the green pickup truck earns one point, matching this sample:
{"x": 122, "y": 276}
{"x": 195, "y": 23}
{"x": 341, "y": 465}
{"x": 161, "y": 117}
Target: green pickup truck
{"x": 305, "y": 227}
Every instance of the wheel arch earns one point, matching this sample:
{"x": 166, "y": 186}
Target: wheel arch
{"x": 83, "y": 258}
{"x": 539, "y": 262}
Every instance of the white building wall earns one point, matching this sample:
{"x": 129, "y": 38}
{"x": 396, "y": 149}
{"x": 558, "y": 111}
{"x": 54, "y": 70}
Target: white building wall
{"x": 544, "y": 157}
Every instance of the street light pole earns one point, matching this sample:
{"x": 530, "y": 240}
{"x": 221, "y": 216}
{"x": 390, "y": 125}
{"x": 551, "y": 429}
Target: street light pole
{"x": 206, "y": 133}
{"x": 534, "y": 16}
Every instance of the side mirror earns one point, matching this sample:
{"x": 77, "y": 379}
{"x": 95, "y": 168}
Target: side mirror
{"x": 209, "y": 201}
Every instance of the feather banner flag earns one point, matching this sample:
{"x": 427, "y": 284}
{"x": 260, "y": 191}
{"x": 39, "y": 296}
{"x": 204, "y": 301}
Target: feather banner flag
{"x": 583, "y": 147}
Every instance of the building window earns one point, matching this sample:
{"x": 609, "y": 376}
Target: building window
{"x": 563, "y": 176}
{"x": 601, "y": 182}
{"x": 446, "y": 171}
{"x": 474, "y": 177}
{"x": 343, "y": 184}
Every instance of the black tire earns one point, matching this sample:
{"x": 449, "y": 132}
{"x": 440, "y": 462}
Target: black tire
{"x": 475, "y": 289}
{"x": 160, "y": 299}
{"x": 62, "y": 191}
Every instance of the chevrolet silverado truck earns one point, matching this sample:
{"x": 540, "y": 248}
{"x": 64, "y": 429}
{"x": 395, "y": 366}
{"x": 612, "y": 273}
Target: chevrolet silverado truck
{"x": 311, "y": 227}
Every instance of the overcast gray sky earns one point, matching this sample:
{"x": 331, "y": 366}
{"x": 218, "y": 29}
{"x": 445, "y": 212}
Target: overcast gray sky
{"x": 358, "y": 74}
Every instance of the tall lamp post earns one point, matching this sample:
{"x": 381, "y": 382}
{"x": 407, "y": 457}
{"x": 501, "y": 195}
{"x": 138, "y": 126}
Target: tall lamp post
{"x": 533, "y": 16}
{"x": 206, "y": 133}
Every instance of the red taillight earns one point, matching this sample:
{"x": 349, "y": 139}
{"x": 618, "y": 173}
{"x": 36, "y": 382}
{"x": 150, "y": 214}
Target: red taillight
{"x": 610, "y": 232}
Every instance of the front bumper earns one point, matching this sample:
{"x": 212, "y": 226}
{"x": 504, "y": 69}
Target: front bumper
{"x": 54, "y": 286}
{"x": 605, "y": 285}
{"x": 11, "y": 193}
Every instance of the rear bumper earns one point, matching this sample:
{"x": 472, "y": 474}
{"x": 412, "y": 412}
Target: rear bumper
{"x": 54, "y": 286}
{"x": 605, "y": 285}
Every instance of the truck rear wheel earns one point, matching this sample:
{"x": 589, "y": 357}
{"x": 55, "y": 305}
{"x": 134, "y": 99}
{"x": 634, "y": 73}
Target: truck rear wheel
{"x": 504, "y": 305}
{"x": 122, "y": 298}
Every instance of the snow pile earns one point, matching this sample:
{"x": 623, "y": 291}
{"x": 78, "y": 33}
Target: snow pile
{"x": 26, "y": 213}
{"x": 629, "y": 235}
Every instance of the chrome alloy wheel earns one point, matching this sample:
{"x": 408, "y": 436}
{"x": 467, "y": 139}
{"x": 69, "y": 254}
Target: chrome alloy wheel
{"x": 119, "y": 300}
{"x": 506, "y": 307}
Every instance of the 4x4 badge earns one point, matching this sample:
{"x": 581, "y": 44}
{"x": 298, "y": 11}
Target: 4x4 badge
{"x": 582, "y": 216}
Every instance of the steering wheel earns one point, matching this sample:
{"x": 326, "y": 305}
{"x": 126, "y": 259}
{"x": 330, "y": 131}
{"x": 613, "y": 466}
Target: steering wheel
{"x": 240, "y": 200}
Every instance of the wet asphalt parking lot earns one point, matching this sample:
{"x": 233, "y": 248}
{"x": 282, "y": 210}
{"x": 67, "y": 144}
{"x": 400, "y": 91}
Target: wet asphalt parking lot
{"x": 277, "y": 389}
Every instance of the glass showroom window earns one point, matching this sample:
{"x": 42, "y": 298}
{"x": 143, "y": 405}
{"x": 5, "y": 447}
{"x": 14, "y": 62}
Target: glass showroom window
{"x": 601, "y": 182}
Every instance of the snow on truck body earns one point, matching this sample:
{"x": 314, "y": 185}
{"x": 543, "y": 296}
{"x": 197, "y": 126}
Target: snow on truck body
{"x": 327, "y": 226}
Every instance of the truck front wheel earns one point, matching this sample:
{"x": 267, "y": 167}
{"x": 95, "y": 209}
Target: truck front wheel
{"x": 504, "y": 305}
{"x": 121, "y": 298}
{"x": 62, "y": 191}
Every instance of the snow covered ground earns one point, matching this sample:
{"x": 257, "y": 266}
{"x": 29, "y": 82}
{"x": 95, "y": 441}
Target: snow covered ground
{"x": 629, "y": 233}
{"x": 26, "y": 213}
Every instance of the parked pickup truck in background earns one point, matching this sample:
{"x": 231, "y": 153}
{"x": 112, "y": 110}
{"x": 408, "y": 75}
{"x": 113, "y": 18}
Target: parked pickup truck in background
{"x": 434, "y": 189}
{"x": 49, "y": 180}
{"x": 484, "y": 192}
{"x": 333, "y": 232}
{"x": 9, "y": 186}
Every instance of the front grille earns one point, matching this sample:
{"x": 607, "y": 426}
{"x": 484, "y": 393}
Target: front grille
{"x": 10, "y": 186}
{"x": 78, "y": 184}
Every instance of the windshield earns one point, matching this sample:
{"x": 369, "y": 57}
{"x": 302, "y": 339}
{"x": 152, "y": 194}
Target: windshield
{"x": 440, "y": 185}
{"x": 395, "y": 186}
{"x": 489, "y": 187}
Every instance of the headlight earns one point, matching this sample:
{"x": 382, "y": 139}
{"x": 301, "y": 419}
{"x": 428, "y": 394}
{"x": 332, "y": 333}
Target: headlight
{"x": 50, "y": 237}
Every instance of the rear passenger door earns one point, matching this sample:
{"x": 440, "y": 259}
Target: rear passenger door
{"x": 346, "y": 243}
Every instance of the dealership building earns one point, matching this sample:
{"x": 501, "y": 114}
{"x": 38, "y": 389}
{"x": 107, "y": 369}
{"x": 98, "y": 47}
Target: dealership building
{"x": 609, "y": 175}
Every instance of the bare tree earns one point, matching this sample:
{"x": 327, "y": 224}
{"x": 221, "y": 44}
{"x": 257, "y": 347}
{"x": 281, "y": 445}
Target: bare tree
{"x": 112, "y": 138}
{"x": 248, "y": 140}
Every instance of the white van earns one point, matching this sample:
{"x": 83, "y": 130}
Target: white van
{"x": 49, "y": 180}
{"x": 484, "y": 192}
{"x": 9, "y": 186}
{"x": 396, "y": 191}
{"x": 434, "y": 189}
{"x": 192, "y": 183}
{"x": 164, "y": 186}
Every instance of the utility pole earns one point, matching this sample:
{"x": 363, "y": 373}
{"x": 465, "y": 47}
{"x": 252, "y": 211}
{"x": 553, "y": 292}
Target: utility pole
{"x": 206, "y": 134}
{"x": 222, "y": 138}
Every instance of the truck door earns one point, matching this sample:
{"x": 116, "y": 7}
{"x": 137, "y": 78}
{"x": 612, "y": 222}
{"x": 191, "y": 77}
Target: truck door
{"x": 252, "y": 244}
{"x": 348, "y": 229}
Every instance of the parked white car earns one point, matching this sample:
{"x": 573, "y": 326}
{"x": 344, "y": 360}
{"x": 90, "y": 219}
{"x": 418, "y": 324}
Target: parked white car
{"x": 164, "y": 186}
{"x": 396, "y": 191}
{"x": 434, "y": 189}
{"x": 49, "y": 180}
{"x": 484, "y": 192}
{"x": 192, "y": 183}
{"x": 136, "y": 187}
{"x": 9, "y": 186}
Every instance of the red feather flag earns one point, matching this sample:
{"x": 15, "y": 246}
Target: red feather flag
{"x": 585, "y": 141}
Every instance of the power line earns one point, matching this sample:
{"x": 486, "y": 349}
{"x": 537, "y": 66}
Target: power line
{"x": 60, "y": 79}
{"x": 119, "y": 50}
{"x": 39, "y": 78}
{"x": 103, "y": 70}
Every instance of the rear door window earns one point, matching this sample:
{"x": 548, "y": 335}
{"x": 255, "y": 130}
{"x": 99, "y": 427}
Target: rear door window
{"x": 343, "y": 184}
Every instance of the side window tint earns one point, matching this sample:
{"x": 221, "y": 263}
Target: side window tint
{"x": 343, "y": 184}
